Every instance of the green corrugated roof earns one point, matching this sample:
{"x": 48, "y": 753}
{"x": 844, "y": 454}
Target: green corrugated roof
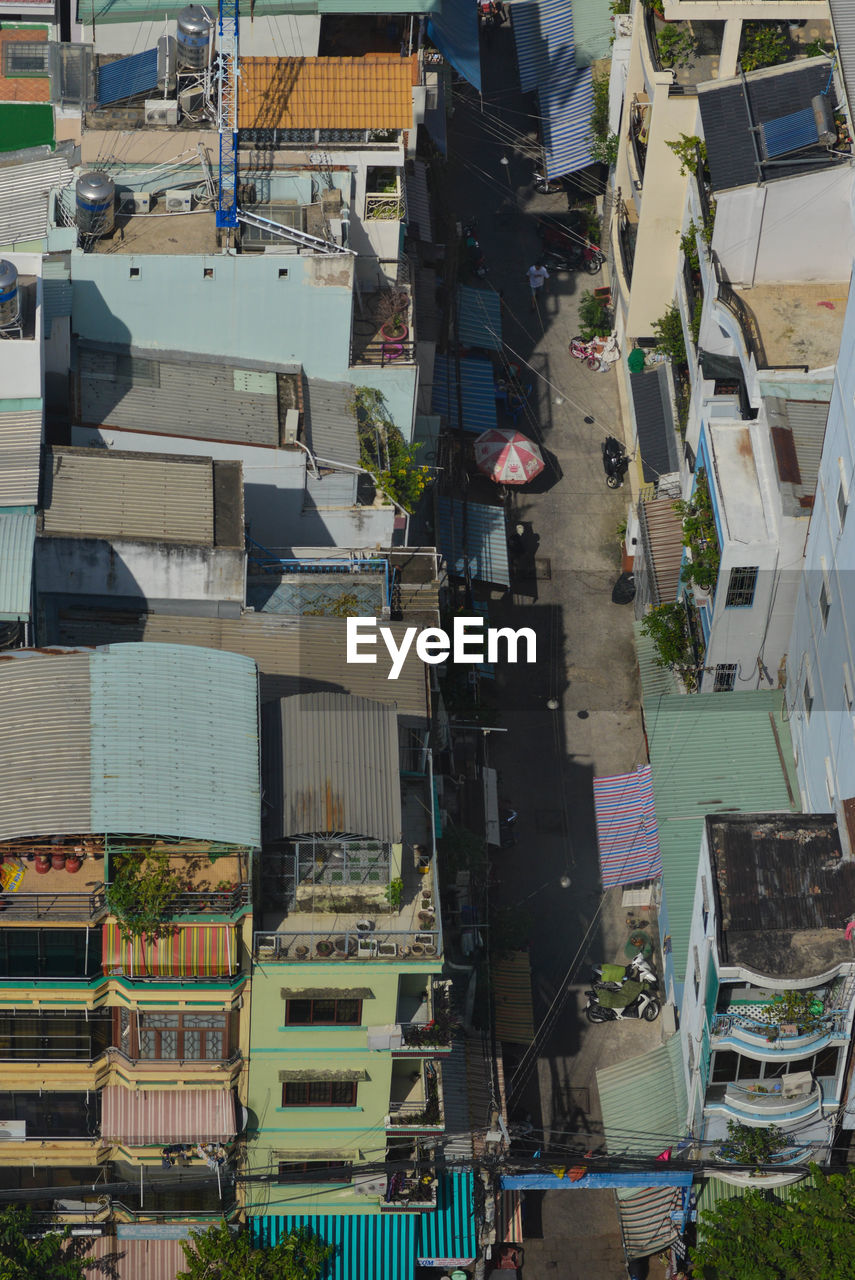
{"x": 174, "y": 743}
{"x": 643, "y": 1101}
{"x": 654, "y": 679}
{"x": 711, "y": 1192}
{"x": 17, "y": 542}
{"x": 711, "y": 753}
{"x": 593, "y": 31}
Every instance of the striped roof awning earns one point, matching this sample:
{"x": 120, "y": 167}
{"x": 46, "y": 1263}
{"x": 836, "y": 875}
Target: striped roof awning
{"x": 479, "y": 318}
{"x": 482, "y": 546}
{"x": 566, "y": 104}
{"x": 447, "y": 1236}
{"x": 645, "y": 1219}
{"x": 510, "y": 1227}
{"x": 366, "y": 1246}
{"x": 626, "y": 828}
{"x": 543, "y": 34}
{"x": 125, "y": 1259}
{"x": 512, "y": 998}
{"x": 149, "y": 1117}
{"x": 477, "y": 393}
{"x": 193, "y": 951}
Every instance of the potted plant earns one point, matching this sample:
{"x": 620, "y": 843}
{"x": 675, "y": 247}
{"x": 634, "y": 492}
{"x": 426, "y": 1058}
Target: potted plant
{"x": 394, "y": 305}
{"x": 427, "y": 919}
{"x": 395, "y": 893}
{"x": 301, "y": 951}
{"x": 324, "y": 948}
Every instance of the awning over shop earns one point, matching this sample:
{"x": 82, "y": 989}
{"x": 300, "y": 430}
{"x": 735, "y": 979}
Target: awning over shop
{"x": 510, "y": 1225}
{"x": 626, "y": 828}
{"x": 447, "y": 1236}
{"x": 479, "y": 318}
{"x": 512, "y": 998}
{"x": 645, "y": 1219}
{"x": 543, "y": 32}
{"x": 196, "y": 951}
{"x": 149, "y": 1117}
{"x": 367, "y": 1246}
{"x": 566, "y": 104}
{"x": 644, "y": 1103}
{"x": 484, "y": 547}
{"x": 453, "y": 28}
{"x": 477, "y": 393}
{"x": 126, "y": 77}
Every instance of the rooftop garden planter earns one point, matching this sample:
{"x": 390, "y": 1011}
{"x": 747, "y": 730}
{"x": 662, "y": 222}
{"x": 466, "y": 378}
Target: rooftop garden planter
{"x": 144, "y": 893}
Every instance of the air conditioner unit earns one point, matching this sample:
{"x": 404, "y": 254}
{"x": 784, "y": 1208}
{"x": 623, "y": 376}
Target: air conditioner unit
{"x": 292, "y": 423}
{"x": 161, "y": 111}
{"x": 178, "y": 201}
{"x": 135, "y": 202}
{"x": 191, "y": 101}
{"x": 13, "y": 1130}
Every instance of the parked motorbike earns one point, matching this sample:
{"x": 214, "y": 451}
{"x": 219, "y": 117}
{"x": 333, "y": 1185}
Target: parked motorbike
{"x": 547, "y": 186}
{"x": 611, "y": 977}
{"x": 615, "y": 462}
{"x": 633, "y": 1000}
{"x": 474, "y": 254}
{"x": 572, "y": 256}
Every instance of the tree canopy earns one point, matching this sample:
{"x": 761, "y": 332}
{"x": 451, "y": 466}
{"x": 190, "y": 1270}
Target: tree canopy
{"x": 221, "y": 1254}
{"x": 758, "y": 1237}
{"x": 45, "y": 1258}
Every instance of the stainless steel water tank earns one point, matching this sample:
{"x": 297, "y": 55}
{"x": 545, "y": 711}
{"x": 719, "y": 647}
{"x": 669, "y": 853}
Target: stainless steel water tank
{"x": 193, "y": 35}
{"x": 8, "y": 293}
{"x": 96, "y": 204}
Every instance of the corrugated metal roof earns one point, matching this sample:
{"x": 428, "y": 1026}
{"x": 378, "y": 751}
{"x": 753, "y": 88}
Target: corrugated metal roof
{"x": 566, "y": 104}
{"x": 655, "y": 680}
{"x": 126, "y": 77}
{"x": 294, "y": 654}
{"x": 512, "y": 999}
{"x": 100, "y": 493}
{"x": 449, "y": 1231}
{"x": 330, "y": 422}
{"x": 56, "y": 290}
{"x": 419, "y": 221}
{"x": 373, "y": 92}
{"x": 45, "y": 746}
{"x": 140, "y": 1117}
{"x": 711, "y": 1192}
{"x": 331, "y": 762}
{"x": 17, "y": 543}
{"x": 181, "y": 395}
{"x": 807, "y": 420}
{"x": 479, "y": 318}
{"x": 24, "y": 190}
{"x": 477, "y": 393}
{"x": 843, "y": 21}
{"x": 542, "y": 32}
{"x": 131, "y": 1259}
{"x": 654, "y": 424}
{"x": 377, "y": 1246}
{"x": 20, "y": 457}
{"x": 665, "y": 538}
{"x": 175, "y": 743}
{"x": 644, "y": 1102}
{"x": 711, "y": 753}
{"x": 485, "y": 545}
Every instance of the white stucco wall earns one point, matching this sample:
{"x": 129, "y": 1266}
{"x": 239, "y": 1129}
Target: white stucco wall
{"x": 147, "y": 570}
{"x": 21, "y": 359}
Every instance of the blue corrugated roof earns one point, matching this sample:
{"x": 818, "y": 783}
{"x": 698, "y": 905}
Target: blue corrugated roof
{"x": 449, "y": 1232}
{"x": 479, "y": 318}
{"x": 127, "y": 77}
{"x": 790, "y": 132}
{"x": 477, "y": 393}
{"x": 379, "y": 1246}
{"x": 486, "y": 542}
{"x": 17, "y": 542}
{"x": 566, "y": 105}
{"x": 453, "y": 28}
{"x": 543, "y": 34}
{"x": 663, "y": 1177}
{"x": 174, "y": 743}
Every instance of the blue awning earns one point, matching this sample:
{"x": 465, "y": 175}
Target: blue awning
{"x": 366, "y": 1246}
{"x": 477, "y": 393}
{"x": 479, "y": 318}
{"x": 566, "y": 105}
{"x": 626, "y": 828}
{"x": 447, "y": 1236}
{"x": 552, "y": 1182}
{"x": 485, "y": 546}
{"x": 453, "y": 28}
{"x": 543, "y": 34}
{"x": 126, "y": 77}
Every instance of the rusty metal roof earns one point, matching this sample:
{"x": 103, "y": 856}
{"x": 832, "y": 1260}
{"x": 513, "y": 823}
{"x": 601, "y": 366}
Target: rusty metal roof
{"x": 330, "y": 764}
{"x": 374, "y": 93}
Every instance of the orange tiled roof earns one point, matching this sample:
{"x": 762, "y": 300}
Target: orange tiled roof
{"x": 326, "y": 93}
{"x": 23, "y": 88}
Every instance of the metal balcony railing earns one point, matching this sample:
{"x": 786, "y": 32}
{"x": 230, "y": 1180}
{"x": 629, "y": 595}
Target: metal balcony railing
{"x": 737, "y": 308}
{"x": 349, "y": 944}
{"x": 386, "y": 205}
{"x": 56, "y": 906}
{"x": 726, "y": 1024}
{"x": 223, "y": 902}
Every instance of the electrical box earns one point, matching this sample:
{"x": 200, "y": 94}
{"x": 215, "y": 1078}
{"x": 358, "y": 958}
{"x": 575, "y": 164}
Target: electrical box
{"x": 178, "y": 201}
{"x": 292, "y": 424}
{"x": 161, "y": 111}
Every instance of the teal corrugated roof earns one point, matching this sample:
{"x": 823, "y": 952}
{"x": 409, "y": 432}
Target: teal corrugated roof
{"x": 654, "y": 679}
{"x": 175, "y": 743}
{"x": 711, "y": 753}
{"x": 17, "y": 542}
{"x": 379, "y": 1246}
{"x": 711, "y": 1192}
{"x": 643, "y": 1101}
{"x": 449, "y": 1232}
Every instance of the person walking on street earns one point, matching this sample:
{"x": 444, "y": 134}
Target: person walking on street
{"x": 537, "y": 278}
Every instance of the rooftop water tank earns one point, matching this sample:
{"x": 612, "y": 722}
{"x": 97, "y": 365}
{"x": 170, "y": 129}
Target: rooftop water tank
{"x": 9, "y": 310}
{"x": 193, "y": 36}
{"x": 96, "y": 204}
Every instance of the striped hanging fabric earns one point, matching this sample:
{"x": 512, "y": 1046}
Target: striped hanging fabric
{"x": 626, "y": 828}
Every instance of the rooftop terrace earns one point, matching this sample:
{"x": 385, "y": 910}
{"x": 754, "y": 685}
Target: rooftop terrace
{"x": 796, "y": 324}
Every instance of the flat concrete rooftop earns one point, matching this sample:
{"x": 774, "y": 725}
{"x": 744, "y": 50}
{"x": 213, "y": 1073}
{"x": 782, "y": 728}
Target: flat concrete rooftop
{"x": 800, "y": 324}
{"x": 170, "y": 233}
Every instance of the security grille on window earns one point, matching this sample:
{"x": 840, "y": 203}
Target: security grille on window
{"x": 725, "y": 677}
{"x": 25, "y": 58}
{"x": 314, "y": 1171}
{"x": 740, "y": 588}
{"x": 319, "y": 1093}
{"x": 323, "y": 1013}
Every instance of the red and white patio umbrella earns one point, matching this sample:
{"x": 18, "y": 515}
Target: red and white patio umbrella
{"x": 507, "y": 456}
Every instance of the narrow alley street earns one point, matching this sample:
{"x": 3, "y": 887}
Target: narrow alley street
{"x": 548, "y": 758}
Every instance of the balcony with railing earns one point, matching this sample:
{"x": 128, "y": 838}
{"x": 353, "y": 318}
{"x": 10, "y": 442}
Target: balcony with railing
{"x": 383, "y": 326}
{"x": 427, "y": 1032}
{"x": 689, "y": 50}
{"x": 204, "y": 880}
{"x": 785, "y": 1101}
{"x": 738, "y": 1030}
{"x": 58, "y": 881}
{"x": 416, "y": 1100}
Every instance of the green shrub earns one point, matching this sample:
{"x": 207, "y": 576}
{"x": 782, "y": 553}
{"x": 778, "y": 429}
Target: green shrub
{"x": 668, "y": 330}
{"x": 668, "y": 628}
{"x": 689, "y": 246}
{"x": 144, "y": 890}
{"x": 605, "y": 151}
{"x": 763, "y": 45}
{"x": 383, "y": 450}
{"x": 700, "y": 535}
{"x": 676, "y": 44}
{"x": 600, "y": 113}
{"x": 595, "y": 318}
{"x": 696, "y": 320}
{"x": 689, "y": 150}
{"x": 815, "y": 49}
